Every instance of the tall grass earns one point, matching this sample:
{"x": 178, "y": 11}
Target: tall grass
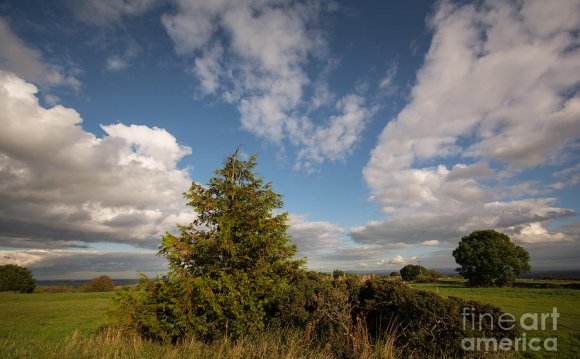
{"x": 118, "y": 343}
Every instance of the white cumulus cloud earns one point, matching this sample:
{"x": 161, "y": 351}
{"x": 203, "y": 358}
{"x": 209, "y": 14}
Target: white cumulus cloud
{"x": 496, "y": 96}
{"x": 254, "y": 54}
{"x": 61, "y": 185}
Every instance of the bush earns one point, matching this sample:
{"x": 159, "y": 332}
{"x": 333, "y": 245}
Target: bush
{"x": 103, "y": 283}
{"x": 153, "y": 308}
{"x": 342, "y": 312}
{"x": 430, "y": 276}
{"x": 317, "y": 301}
{"x": 426, "y": 322}
{"x": 16, "y": 278}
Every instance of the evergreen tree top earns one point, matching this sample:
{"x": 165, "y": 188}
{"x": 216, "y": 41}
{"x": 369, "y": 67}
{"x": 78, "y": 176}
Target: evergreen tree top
{"x": 238, "y": 226}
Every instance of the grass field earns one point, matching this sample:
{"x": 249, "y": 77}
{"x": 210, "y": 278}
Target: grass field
{"x": 52, "y": 316}
{"x": 63, "y": 325}
{"x": 71, "y": 325}
{"x": 518, "y": 301}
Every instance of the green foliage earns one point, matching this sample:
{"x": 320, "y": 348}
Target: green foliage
{"x": 103, "y": 283}
{"x": 411, "y": 271}
{"x": 71, "y": 325}
{"x": 425, "y": 322}
{"x": 395, "y": 274}
{"x": 233, "y": 274}
{"x": 320, "y": 302}
{"x": 227, "y": 266}
{"x": 156, "y": 309}
{"x": 488, "y": 258}
{"x": 16, "y": 278}
{"x": 429, "y": 276}
{"x": 337, "y": 273}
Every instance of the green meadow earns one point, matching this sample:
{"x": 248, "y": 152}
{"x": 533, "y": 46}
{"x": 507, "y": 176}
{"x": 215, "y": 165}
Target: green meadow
{"x": 57, "y": 325}
{"x": 519, "y": 301}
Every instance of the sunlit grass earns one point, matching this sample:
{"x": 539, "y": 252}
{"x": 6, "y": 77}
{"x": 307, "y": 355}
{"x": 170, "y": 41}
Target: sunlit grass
{"x": 518, "y": 301}
{"x": 73, "y": 325}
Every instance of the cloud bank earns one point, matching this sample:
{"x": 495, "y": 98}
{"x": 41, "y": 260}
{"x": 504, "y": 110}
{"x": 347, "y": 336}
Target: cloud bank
{"x": 63, "y": 186}
{"x": 496, "y": 96}
{"x": 67, "y": 264}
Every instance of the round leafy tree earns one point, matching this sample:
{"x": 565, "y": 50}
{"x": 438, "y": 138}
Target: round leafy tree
{"x": 411, "y": 271}
{"x": 235, "y": 257}
{"x": 489, "y": 258}
{"x": 16, "y": 278}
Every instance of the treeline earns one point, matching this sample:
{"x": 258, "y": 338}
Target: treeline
{"x": 15, "y": 278}
{"x": 102, "y": 283}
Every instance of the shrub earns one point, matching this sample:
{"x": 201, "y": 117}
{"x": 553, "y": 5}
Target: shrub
{"x": 153, "y": 308}
{"x": 430, "y": 276}
{"x": 426, "y": 322}
{"x": 103, "y": 283}
{"x": 16, "y": 278}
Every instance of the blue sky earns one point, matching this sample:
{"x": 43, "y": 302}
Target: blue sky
{"x": 391, "y": 128}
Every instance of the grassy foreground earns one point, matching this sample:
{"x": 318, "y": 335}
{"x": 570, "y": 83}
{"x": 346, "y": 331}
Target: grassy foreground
{"x": 72, "y": 325}
{"x": 45, "y": 317}
{"x": 519, "y": 301}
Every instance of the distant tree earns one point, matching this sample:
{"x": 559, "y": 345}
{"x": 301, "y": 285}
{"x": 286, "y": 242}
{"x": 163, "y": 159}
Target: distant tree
{"x": 337, "y": 273}
{"x": 395, "y": 274}
{"x": 103, "y": 283}
{"x": 16, "y": 278}
{"x": 411, "y": 271}
{"x": 489, "y": 258}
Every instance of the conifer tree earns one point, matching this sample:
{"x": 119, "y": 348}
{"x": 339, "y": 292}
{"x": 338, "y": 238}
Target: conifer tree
{"x": 235, "y": 257}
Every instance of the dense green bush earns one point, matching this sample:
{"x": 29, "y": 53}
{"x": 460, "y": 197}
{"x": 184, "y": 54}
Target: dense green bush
{"x": 318, "y": 301}
{"x": 429, "y": 276}
{"x": 103, "y": 283}
{"x": 425, "y": 322}
{"x": 156, "y": 309}
{"x": 16, "y": 278}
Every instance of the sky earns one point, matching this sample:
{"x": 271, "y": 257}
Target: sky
{"x": 391, "y": 128}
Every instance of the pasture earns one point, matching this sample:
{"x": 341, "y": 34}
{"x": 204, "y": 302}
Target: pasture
{"x": 519, "y": 301}
{"x": 56, "y": 325}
